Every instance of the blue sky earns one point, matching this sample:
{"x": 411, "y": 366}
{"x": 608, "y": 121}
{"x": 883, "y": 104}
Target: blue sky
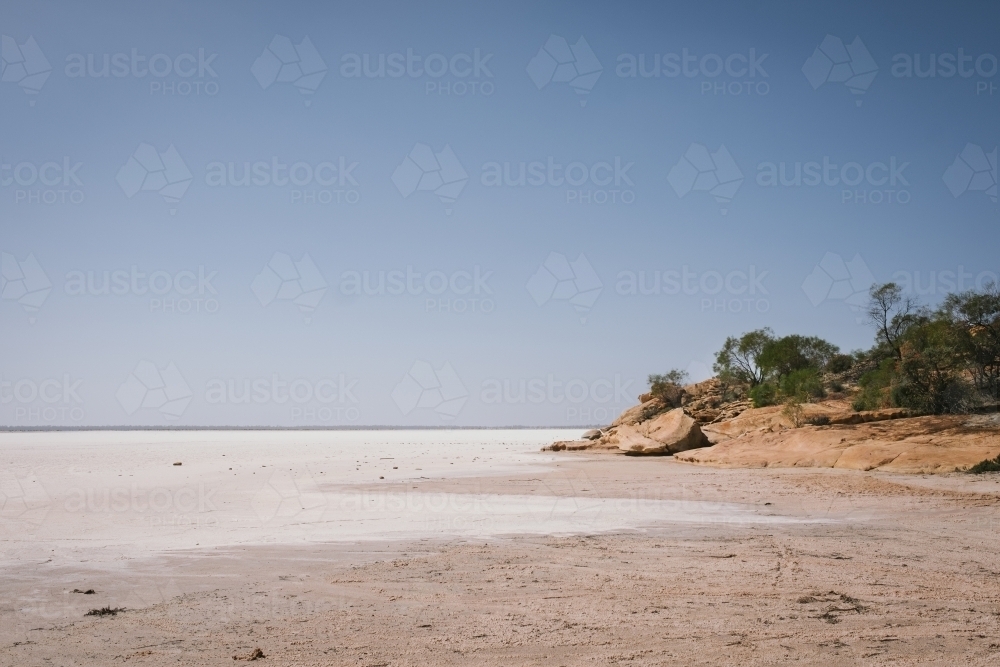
{"x": 919, "y": 208}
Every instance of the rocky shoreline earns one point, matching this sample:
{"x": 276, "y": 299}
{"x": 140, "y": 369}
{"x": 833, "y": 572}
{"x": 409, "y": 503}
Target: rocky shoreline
{"x": 695, "y": 424}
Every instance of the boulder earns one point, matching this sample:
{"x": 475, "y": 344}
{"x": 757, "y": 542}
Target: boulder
{"x": 568, "y": 446}
{"x": 667, "y": 433}
{"x": 592, "y": 434}
{"x": 631, "y": 441}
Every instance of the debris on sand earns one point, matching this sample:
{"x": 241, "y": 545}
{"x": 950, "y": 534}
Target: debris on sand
{"x": 105, "y": 611}
{"x": 89, "y": 591}
{"x": 256, "y": 654}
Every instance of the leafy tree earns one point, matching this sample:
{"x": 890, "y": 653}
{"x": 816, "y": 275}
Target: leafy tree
{"x": 793, "y": 353}
{"x": 892, "y": 314}
{"x": 738, "y": 360}
{"x": 975, "y": 318}
{"x": 931, "y": 368}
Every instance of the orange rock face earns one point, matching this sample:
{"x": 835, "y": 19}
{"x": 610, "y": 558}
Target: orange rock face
{"x": 907, "y": 445}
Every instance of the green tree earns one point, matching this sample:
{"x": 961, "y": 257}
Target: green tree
{"x": 788, "y": 354}
{"x": 738, "y": 360}
{"x": 975, "y": 318}
{"x": 891, "y": 313}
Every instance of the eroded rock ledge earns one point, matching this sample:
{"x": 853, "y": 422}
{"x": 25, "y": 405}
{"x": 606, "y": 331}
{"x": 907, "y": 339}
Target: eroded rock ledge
{"x": 696, "y": 426}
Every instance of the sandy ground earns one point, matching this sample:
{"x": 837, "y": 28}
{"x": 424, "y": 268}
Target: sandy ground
{"x": 526, "y": 559}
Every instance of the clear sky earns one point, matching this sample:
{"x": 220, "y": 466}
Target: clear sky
{"x": 659, "y": 209}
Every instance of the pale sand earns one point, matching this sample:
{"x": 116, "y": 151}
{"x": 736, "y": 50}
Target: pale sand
{"x": 492, "y": 554}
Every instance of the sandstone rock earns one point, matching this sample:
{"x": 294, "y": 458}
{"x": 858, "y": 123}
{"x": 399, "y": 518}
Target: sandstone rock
{"x": 667, "y": 433}
{"x": 774, "y": 418}
{"x": 640, "y": 413}
{"x": 568, "y": 445}
{"x": 592, "y": 434}
{"x": 631, "y": 441}
{"x": 645, "y": 398}
{"x": 907, "y": 444}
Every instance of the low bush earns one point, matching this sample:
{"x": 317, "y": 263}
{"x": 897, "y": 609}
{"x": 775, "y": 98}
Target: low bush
{"x": 989, "y": 465}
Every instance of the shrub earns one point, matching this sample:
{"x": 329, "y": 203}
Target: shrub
{"x": 793, "y": 410}
{"x": 989, "y": 465}
{"x": 802, "y": 385}
{"x": 667, "y": 385}
{"x": 840, "y": 363}
{"x": 875, "y": 387}
{"x": 763, "y": 395}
